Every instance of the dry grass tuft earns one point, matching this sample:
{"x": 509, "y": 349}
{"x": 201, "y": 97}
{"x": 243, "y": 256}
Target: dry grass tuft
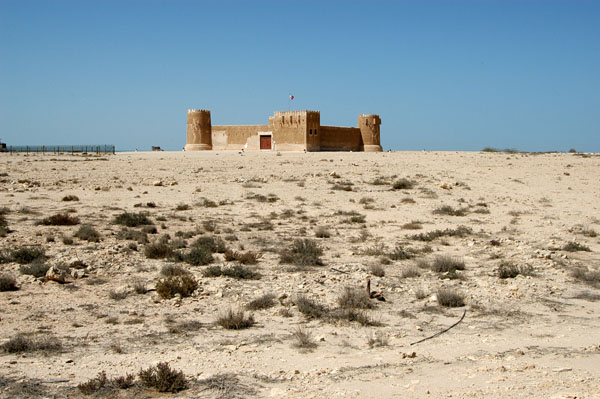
{"x": 303, "y": 339}
{"x": 354, "y": 298}
{"x": 26, "y": 343}
{"x": 235, "y": 320}
{"x": 450, "y": 298}
{"x": 445, "y": 264}
{"x": 303, "y": 252}
{"x": 262, "y": 302}
{"x": 8, "y": 283}
{"x": 310, "y": 308}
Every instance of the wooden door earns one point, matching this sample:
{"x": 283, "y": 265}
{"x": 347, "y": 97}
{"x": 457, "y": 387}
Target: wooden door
{"x": 265, "y": 142}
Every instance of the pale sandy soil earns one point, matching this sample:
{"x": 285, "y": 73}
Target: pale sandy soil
{"x": 533, "y": 336}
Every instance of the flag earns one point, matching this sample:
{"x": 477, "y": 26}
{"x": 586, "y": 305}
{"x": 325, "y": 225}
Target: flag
{"x": 291, "y": 97}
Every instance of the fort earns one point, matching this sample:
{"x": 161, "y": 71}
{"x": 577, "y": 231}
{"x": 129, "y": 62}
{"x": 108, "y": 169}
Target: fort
{"x": 286, "y": 131}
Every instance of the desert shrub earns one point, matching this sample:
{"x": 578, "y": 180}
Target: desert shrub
{"x": 157, "y": 250}
{"x": 575, "y": 246}
{"x": 117, "y": 295}
{"x": 410, "y": 272}
{"x": 245, "y": 258}
{"x": 444, "y": 264}
{"x": 139, "y": 287}
{"x": 149, "y": 229}
{"x": 198, "y": 255}
{"x": 413, "y": 225}
{"x": 212, "y": 271}
{"x": 135, "y": 235}
{"x": 182, "y": 207}
{"x": 403, "y": 184}
{"x": 93, "y": 385}
{"x": 162, "y": 378}
{"x": 450, "y": 298}
{"x": 303, "y": 339}
{"x": 401, "y": 253}
{"x": 87, "y": 233}
{"x": 183, "y": 285}
{"x": 356, "y": 219}
{"x": 354, "y": 298}
{"x": 7, "y": 283}
{"x": 591, "y": 277}
{"x": 420, "y": 293}
{"x": 36, "y": 269}
{"x": 354, "y": 315}
{"x": 262, "y": 302}
{"x": 241, "y": 273}
{"x": 131, "y": 219}
{"x": 510, "y": 270}
{"x": 124, "y": 382}
{"x": 4, "y": 230}
{"x": 70, "y": 198}
{"x": 322, "y": 232}
{"x": 310, "y": 308}
{"x": 209, "y": 225}
{"x": 237, "y": 272}
{"x": 303, "y": 252}
{"x": 378, "y": 339}
{"x": 460, "y": 231}
{"x": 450, "y": 211}
{"x": 173, "y": 270}
{"x": 24, "y": 255}
{"x": 235, "y": 320}
{"x": 377, "y": 270}
{"x": 60, "y": 219}
{"x": 490, "y": 149}
{"x": 209, "y": 243}
{"x": 25, "y": 343}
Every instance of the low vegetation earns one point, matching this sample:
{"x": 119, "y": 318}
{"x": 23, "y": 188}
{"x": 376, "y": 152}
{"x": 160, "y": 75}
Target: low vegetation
{"x": 262, "y": 302}
{"x": 7, "y": 283}
{"x": 460, "y": 231}
{"x": 445, "y": 264}
{"x": 88, "y": 233}
{"x": 131, "y": 219}
{"x": 60, "y": 219}
{"x": 235, "y": 320}
{"x": 450, "y": 298}
{"x": 32, "y": 343}
{"x": 237, "y": 272}
{"x": 163, "y": 378}
{"x": 303, "y": 252}
{"x": 28, "y": 254}
{"x": 184, "y": 286}
{"x": 574, "y": 246}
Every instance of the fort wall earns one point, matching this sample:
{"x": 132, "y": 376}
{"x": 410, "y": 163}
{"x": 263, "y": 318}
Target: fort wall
{"x": 286, "y": 131}
{"x": 335, "y": 138}
{"x": 235, "y": 137}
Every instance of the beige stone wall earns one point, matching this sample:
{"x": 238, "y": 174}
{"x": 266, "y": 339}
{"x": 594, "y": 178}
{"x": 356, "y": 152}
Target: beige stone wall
{"x": 235, "y": 137}
{"x": 335, "y": 138}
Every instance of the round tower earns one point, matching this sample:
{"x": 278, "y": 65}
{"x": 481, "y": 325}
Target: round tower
{"x": 369, "y": 131}
{"x": 199, "y": 130}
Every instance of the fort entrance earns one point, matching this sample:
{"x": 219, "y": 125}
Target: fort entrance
{"x": 265, "y": 142}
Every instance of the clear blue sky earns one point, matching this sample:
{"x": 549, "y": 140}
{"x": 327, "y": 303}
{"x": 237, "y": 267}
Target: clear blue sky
{"x": 443, "y": 75}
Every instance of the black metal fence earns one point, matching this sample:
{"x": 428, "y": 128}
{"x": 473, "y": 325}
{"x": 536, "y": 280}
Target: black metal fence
{"x": 62, "y": 149}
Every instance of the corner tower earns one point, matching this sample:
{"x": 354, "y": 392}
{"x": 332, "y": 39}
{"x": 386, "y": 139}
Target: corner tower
{"x": 199, "y": 130}
{"x": 369, "y": 131}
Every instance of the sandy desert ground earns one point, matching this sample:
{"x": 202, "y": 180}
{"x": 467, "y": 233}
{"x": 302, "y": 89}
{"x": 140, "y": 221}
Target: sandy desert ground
{"x": 510, "y": 239}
